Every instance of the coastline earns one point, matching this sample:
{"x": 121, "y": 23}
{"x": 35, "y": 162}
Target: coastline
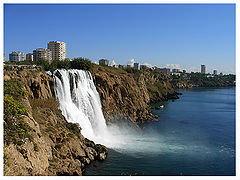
{"x": 39, "y": 86}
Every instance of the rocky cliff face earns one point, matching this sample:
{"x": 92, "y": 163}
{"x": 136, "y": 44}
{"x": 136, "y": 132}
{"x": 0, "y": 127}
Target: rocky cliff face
{"x": 130, "y": 94}
{"x": 38, "y": 84}
{"x": 39, "y": 141}
{"x": 37, "y": 138}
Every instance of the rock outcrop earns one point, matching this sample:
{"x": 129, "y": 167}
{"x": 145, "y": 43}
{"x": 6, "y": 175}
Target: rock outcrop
{"x": 38, "y": 84}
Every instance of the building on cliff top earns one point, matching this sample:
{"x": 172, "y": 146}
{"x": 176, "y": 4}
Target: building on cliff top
{"x": 165, "y": 71}
{"x": 136, "y": 66}
{"x": 42, "y": 54}
{"x": 29, "y": 57}
{"x": 58, "y": 50}
{"x": 175, "y": 70}
{"x": 104, "y": 62}
{"x": 203, "y": 69}
{"x": 17, "y": 56}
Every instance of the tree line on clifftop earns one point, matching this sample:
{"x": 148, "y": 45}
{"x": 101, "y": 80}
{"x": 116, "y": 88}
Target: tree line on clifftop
{"x": 76, "y": 63}
{"x": 189, "y": 79}
{"x": 203, "y": 80}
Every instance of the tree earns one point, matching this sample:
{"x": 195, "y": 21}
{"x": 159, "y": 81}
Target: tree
{"x": 81, "y": 63}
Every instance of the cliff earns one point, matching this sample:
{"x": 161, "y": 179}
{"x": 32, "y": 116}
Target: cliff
{"x": 37, "y": 138}
{"x": 130, "y": 94}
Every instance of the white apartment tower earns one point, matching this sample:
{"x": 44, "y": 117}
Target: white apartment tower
{"x": 58, "y": 50}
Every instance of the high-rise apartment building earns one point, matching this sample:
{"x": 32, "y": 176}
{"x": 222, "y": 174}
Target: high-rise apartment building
{"x": 17, "y": 56}
{"x": 203, "y": 69}
{"x": 58, "y": 50}
{"x": 42, "y": 54}
{"x": 29, "y": 57}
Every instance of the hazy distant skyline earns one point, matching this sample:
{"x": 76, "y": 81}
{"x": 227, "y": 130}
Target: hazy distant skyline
{"x": 180, "y": 35}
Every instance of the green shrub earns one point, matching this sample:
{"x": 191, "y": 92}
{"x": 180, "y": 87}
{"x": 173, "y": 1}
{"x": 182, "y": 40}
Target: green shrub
{"x": 81, "y": 63}
{"x": 15, "y": 128}
{"x": 13, "y": 107}
{"x": 15, "y": 88}
{"x": 60, "y": 65}
{"x": 45, "y": 64}
{"x": 135, "y": 71}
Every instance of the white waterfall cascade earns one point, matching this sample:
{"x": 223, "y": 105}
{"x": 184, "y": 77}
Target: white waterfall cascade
{"x": 80, "y": 103}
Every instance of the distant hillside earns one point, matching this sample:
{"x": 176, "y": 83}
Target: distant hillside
{"x": 189, "y": 80}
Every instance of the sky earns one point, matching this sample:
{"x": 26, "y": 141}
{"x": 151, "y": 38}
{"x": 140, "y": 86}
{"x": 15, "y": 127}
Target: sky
{"x": 165, "y": 35}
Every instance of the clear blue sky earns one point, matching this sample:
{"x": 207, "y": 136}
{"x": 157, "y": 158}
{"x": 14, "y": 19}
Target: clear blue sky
{"x": 158, "y": 34}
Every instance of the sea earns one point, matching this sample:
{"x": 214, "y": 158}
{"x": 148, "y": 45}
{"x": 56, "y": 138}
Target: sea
{"x": 193, "y": 135}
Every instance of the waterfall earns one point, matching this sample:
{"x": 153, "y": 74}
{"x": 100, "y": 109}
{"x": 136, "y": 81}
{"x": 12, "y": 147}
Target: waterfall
{"x": 80, "y": 103}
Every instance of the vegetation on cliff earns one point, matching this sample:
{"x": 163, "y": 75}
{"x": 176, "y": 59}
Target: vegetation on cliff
{"x": 15, "y": 128}
{"x": 186, "y": 80}
{"x": 76, "y": 63}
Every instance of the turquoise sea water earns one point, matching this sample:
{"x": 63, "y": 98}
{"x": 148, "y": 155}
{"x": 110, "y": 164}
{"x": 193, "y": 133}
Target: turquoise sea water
{"x": 194, "y": 135}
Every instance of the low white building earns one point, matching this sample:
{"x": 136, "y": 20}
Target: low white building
{"x": 17, "y": 56}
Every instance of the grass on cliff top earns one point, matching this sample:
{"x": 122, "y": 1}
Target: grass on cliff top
{"x": 107, "y": 69}
{"x": 15, "y": 128}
